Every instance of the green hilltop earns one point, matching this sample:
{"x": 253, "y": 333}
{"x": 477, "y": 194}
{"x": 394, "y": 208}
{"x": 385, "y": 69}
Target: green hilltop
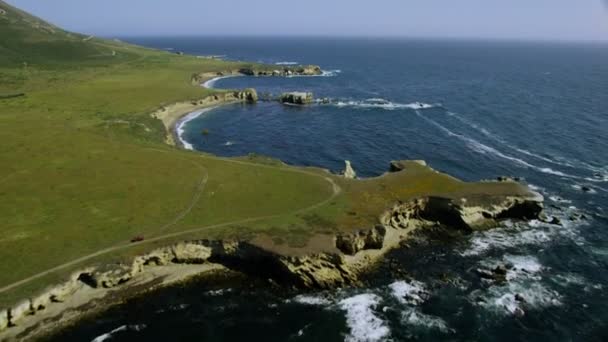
{"x": 84, "y": 166}
{"x": 29, "y": 39}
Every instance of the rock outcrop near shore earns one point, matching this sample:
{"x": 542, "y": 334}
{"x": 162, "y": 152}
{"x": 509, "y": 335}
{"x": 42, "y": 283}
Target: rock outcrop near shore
{"x": 349, "y": 172}
{"x": 287, "y": 71}
{"x": 297, "y": 98}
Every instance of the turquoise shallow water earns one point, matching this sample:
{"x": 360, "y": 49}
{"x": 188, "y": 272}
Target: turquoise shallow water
{"x": 533, "y": 110}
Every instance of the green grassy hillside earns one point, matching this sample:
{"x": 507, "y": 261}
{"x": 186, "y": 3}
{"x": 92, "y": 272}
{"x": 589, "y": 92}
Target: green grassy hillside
{"x": 28, "y": 40}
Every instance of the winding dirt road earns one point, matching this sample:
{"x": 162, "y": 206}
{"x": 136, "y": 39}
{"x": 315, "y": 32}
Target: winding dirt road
{"x": 195, "y": 198}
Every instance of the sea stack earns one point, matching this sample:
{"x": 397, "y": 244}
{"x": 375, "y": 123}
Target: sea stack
{"x": 298, "y": 98}
{"x": 349, "y": 172}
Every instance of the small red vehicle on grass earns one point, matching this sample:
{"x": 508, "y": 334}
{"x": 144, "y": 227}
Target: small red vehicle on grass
{"x": 137, "y": 238}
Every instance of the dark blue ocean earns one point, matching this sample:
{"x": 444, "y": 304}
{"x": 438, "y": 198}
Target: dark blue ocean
{"x": 473, "y": 109}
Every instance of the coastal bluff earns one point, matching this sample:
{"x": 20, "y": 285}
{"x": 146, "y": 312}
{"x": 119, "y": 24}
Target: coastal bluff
{"x": 327, "y": 261}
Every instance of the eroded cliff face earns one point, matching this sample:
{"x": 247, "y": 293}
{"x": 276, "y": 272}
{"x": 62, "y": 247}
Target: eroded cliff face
{"x": 458, "y": 214}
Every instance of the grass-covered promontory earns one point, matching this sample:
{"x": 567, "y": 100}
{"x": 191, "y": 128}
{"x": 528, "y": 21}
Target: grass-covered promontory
{"x": 84, "y": 167}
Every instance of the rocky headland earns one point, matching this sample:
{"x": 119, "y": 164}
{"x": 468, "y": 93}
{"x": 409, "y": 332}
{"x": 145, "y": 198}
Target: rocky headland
{"x": 338, "y": 260}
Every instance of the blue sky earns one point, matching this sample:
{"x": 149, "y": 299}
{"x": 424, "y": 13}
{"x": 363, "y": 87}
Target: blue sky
{"x": 504, "y": 19}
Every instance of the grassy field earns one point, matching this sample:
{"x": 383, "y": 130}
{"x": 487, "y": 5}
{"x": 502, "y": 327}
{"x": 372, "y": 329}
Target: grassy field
{"x": 84, "y": 167}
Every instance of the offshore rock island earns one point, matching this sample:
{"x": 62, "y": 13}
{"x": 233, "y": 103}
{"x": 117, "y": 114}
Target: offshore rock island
{"x": 196, "y": 213}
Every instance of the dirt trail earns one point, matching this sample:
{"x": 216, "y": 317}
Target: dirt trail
{"x": 200, "y": 189}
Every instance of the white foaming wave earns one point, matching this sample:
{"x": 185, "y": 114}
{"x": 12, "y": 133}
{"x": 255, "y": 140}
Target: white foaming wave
{"x": 485, "y": 149}
{"x": 523, "y": 234}
{"x": 286, "y": 63}
{"x": 522, "y": 266}
{"x": 414, "y": 317}
{"x": 384, "y": 104}
{"x": 503, "y": 141}
{"x": 180, "y": 127}
{"x": 559, "y": 200}
{"x": 312, "y": 300}
{"x": 209, "y": 84}
{"x": 108, "y": 335}
{"x": 409, "y": 292}
{"x": 330, "y": 73}
{"x": 413, "y": 293}
{"x": 561, "y": 161}
{"x": 363, "y": 323}
{"x": 580, "y": 188}
{"x": 523, "y": 289}
{"x": 531, "y": 294}
{"x": 228, "y": 143}
{"x": 324, "y": 73}
{"x": 218, "y": 292}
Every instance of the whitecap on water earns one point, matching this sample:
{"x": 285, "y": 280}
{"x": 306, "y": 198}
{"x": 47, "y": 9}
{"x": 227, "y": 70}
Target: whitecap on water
{"x": 519, "y": 234}
{"x": 312, "y": 300}
{"x": 363, "y": 323}
{"x": 409, "y": 292}
{"x": 381, "y": 103}
{"x": 324, "y": 73}
{"x": 218, "y": 292}
{"x": 413, "y": 293}
{"x": 414, "y": 317}
{"x": 108, "y": 335}
{"x": 523, "y": 289}
{"x": 210, "y": 84}
{"x": 181, "y": 124}
{"x": 558, "y": 199}
{"x": 517, "y": 296}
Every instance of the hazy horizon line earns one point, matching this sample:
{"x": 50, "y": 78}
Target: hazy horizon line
{"x": 355, "y": 37}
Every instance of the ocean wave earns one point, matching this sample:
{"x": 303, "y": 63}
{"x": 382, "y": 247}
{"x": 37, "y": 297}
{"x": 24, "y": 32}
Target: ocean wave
{"x": 209, "y": 84}
{"x": 324, "y": 73}
{"x": 523, "y": 289}
{"x": 363, "y": 323}
{"x": 521, "y": 266}
{"x": 218, "y": 292}
{"x": 180, "y": 128}
{"x": 558, "y": 199}
{"x": 589, "y": 188}
{"x": 515, "y": 297}
{"x": 108, "y": 335}
{"x": 414, "y": 317}
{"x": 482, "y": 148}
{"x": 533, "y": 233}
{"x": 379, "y": 103}
{"x": 286, "y": 63}
{"x": 409, "y": 292}
{"x": 600, "y": 173}
{"x": 312, "y": 300}
{"x": 413, "y": 293}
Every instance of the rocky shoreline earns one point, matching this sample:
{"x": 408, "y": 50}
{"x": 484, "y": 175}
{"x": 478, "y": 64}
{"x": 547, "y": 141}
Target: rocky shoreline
{"x": 350, "y": 255}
